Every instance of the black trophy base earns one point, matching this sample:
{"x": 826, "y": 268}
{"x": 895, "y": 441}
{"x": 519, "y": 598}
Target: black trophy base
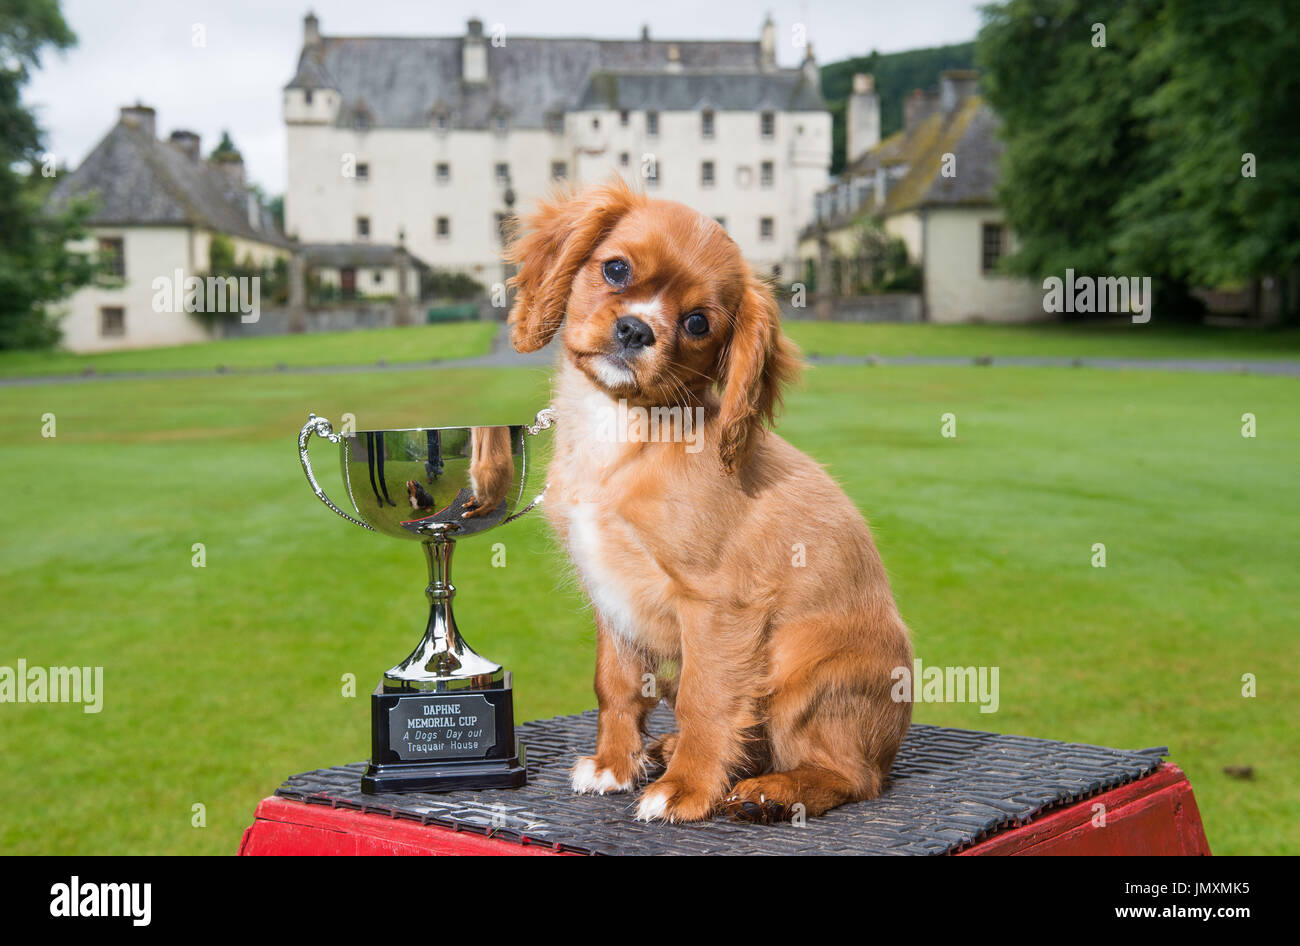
{"x": 443, "y": 742}
{"x": 443, "y": 776}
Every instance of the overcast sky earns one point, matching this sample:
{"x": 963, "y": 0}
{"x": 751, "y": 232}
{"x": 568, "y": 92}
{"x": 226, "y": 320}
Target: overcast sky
{"x": 147, "y": 50}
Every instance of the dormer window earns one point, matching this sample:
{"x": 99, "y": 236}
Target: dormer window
{"x": 767, "y": 125}
{"x": 361, "y": 120}
{"x": 500, "y": 123}
{"x": 441, "y": 120}
{"x": 706, "y": 123}
{"x": 306, "y": 96}
{"x": 555, "y": 123}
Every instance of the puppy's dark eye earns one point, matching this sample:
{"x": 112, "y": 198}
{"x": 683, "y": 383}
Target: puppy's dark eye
{"x": 617, "y": 273}
{"x": 696, "y": 325}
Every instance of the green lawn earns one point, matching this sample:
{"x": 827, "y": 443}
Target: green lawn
{"x": 414, "y": 343}
{"x": 222, "y": 680}
{"x": 1050, "y": 339}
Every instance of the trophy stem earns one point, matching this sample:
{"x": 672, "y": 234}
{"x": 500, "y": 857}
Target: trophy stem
{"x": 442, "y": 661}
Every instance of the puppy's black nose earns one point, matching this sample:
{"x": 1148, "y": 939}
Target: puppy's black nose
{"x": 632, "y": 333}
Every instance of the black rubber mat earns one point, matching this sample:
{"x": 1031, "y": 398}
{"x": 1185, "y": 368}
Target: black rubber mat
{"x": 949, "y": 789}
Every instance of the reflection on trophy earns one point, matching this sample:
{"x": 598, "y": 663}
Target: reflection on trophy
{"x": 443, "y": 718}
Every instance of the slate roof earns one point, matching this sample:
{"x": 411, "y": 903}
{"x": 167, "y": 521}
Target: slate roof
{"x": 913, "y": 161}
{"x": 785, "y": 90}
{"x": 138, "y": 180}
{"x": 359, "y": 255}
{"x": 401, "y": 81}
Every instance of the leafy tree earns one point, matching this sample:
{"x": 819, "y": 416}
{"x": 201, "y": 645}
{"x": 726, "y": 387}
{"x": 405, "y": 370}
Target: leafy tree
{"x": 225, "y": 149}
{"x": 36, "y": 268}
{"x": 1126, "y": 158}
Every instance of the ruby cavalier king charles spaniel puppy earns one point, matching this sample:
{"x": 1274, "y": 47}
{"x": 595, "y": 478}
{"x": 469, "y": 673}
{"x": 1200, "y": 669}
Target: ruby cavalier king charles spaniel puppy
{"x": 729, "y": 575}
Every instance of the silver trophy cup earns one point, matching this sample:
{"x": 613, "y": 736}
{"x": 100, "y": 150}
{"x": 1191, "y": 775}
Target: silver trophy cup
{"x": 443, "y": 718}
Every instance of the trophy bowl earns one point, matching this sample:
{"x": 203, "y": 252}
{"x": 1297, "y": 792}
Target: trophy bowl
{"x": 443, "y": 718}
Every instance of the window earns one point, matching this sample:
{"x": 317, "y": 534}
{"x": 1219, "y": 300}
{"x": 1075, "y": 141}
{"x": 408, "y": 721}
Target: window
{"x": 706, "y": 174}
{"x": 559, "y": 170}
{"x": 442, "y": 172}
{"x": 113, "y": 253}
{"x": 652, "y": 124}
{"x": 441, "y": 121}
{"x": 442, "y": 228}
{"x": 306, "y": 96}
{"x": 363, "y": 228}
{"x": 363, "y": 172}
{"x": 377, "y": 276}
{"x": 555, "y": 123}
{"x": 112, "y": 322}
{"x": 766, "y": 228}
{"x": 767, "y": 173}
{"x": 502, "y": 172}
{"x": 503, "y": 227}
{"x": 706, "y": 123}
{"x": 501, "y": 124}
{"x": 623, "y": 118}
{"x": 767, "y": 125}
{"x": 624, "y": 159}
{"x": 361, "y": 121}
{"x": 992, "y": 246}
{"x": 650, "y": 168}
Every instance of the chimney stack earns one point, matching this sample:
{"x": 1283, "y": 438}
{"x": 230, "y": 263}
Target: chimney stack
{"x": 955, "y": 86}
{"x": 917, "y": 107}
{"x": 811, "y": 73}
{"x": 310, "y": 29}
{"x": 474, "y": 53}
{"x": 186, "y": 142}
{"x": 231, "y": 165}
{"x": 767, "y": 46}
{"x": 863, "y": 118}
{"x": 139, "y": 116}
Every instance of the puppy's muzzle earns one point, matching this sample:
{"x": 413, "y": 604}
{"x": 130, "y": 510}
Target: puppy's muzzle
{"x": 632, "y": 334}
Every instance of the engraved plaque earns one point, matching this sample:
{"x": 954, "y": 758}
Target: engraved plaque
{"x": 442, "y": 726}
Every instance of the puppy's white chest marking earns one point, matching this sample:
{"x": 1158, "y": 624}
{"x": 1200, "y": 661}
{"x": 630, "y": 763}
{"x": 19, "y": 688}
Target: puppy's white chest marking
{"x": 608, "y": 592}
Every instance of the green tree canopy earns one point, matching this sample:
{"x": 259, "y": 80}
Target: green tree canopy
{"x": 1127, "y": 158}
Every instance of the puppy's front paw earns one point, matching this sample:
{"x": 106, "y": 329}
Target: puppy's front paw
{"x": 671, "y": 799}
{"x": 589, "y": 777}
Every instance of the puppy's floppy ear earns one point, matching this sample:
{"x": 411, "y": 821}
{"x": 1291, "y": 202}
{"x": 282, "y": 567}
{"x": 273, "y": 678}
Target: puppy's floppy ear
{"x": 550, "y": 248}
{"x": 755, "y": 366}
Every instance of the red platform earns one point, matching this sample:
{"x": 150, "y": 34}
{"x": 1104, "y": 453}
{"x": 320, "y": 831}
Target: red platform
{"x": 1154, "y": 815}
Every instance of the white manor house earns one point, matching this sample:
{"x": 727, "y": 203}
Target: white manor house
{"x": 427, "y": 140}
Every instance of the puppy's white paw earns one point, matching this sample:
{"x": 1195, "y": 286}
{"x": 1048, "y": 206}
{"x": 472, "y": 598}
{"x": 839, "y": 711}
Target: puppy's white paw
{"x": 654, "y": 804}
{"x": 587, "y": 779}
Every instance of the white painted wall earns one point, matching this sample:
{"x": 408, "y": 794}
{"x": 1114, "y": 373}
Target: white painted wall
{"x": 373, "y": 280}
{"x": 402, "y": 193}
{"x": 149, "y": 252}
{"x": 956, "y": 290}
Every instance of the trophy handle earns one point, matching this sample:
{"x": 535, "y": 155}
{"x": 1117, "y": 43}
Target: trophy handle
{"x": 544, "y": 420}
{"x": 322, "y": 428}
